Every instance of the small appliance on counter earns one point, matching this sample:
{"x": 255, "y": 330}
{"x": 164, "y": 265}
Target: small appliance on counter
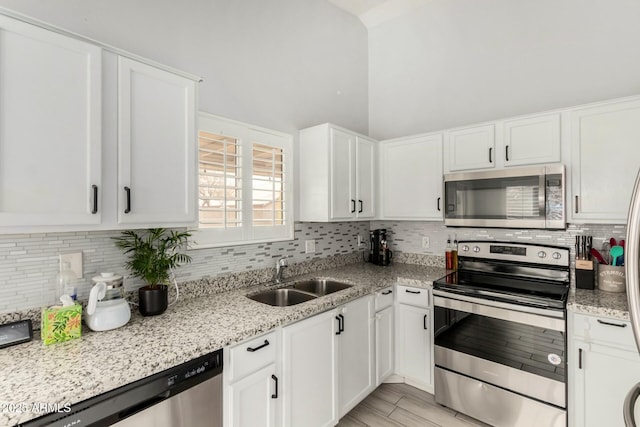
{"x": 107, "y": 309}
{"x": 379, "y": 252}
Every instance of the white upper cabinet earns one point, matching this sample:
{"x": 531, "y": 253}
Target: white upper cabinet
{"x": 471, "y": 148}
{"x": 337, "y": 174}
{"x": 79, "y": 123}
{"x": 411, "y": 178}
{"x": 605, "y": 150}
{"x": 512, "y": 142}
{"x": 50, "y": 128}
{"x": 532, "y": 140}
{"x": 156, "y": 146}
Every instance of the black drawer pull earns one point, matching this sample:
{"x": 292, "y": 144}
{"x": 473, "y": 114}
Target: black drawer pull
{"x": 95, "y": 199}
{"x": 275, "y": 379}
{"x": 342, "y": 323}
{"x": 439, "y": 203}
{"x": 387, "y": 292}
{"x": 251, "y": 350}
{"x": 506, "y": 152}
{"x": 490, "y": 154}
{"x": 619, "y": 325}
{"x": 128, "y": 191}
{"x": 576, "y": 204}
{"x": 361, "y": 206}
{"x": 411, "y": 292}
{"x": 353, "y": 206}
{"x": 339, "y": 325}
{"x": 424, "y": 322}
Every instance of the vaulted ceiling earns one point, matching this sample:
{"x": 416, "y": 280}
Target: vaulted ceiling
{"x": 375, "y": 12}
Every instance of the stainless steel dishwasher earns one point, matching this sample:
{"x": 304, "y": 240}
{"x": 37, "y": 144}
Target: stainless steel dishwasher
{"x": 186, "y": 395}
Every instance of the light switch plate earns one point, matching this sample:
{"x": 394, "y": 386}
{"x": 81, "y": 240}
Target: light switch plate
{"x": 309, "y": 246}
{"x": 75, "y": 261}
{"x": 425, "y": 242}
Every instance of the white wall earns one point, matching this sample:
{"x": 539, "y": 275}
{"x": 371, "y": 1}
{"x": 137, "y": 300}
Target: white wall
{"x": 273, "y": 63}
{"x": 457, "y": 62}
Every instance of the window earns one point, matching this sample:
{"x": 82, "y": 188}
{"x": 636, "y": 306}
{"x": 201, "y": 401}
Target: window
{"x": 245, "y": 184}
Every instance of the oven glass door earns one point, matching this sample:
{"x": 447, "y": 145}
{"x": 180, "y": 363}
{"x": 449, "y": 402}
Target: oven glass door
{"x": 519, "y": 351}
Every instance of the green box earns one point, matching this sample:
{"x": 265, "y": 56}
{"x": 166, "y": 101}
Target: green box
{"x": 61, "y": 324}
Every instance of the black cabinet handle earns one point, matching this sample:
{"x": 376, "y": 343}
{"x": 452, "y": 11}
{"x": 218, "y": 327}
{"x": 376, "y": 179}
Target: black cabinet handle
{"x": 387, "y": 292}
{"x": 251, "y": 350}
{"x": 353, "y": 206}
{"x": 579, "y": 358}
{"x": 339, "y": 325}
{"x": 95, "y": 199}
{"x": 576, "y": 204}
{"x": 439, "y": 203}
{"x": 342, "y": 323}
{"x": 361, "y": 208}
{"x": 411, "y": 292}
{"x": 424, "y": 322}
{"x": 619, "y": 325}
{"x": 275, "y": 379}
{"x": 490, "y": 154}
{"x": 128, "y": 208}
{"x": 506, "y": 152}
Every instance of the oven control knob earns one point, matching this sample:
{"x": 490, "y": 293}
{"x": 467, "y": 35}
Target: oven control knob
{"x": 556, "y": 255}
{"x": 465, "y": 248}
{"x": 542, "y": 254}
{"x": 476, "y": 249}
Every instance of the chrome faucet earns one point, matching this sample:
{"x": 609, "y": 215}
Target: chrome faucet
{"x": 280, "y": 266}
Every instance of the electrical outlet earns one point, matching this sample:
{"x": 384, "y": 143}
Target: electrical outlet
{"x": 425, "y": 242}
{"x": 309, "y": 246}
{"x": 360, "y": 242}
{"x": 75, "y": 262}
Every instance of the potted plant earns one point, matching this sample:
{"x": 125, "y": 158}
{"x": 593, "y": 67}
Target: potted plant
{"x": 152, "y": 254}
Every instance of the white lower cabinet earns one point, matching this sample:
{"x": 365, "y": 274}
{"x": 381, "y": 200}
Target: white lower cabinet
{"x": 356, "y": 353}
{"x": 603, "y": 366}
{"x": 309, "y": 368}
{"x": 251, "y": 383}
{"x": 384, "y": 344}
{"x": 413, "y": 337}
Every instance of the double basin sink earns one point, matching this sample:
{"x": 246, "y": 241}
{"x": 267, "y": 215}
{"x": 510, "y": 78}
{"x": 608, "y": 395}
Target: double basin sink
{"x": 298, "y": 292}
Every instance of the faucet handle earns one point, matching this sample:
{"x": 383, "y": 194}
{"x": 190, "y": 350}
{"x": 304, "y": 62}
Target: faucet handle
{"x": 282, "y": 262}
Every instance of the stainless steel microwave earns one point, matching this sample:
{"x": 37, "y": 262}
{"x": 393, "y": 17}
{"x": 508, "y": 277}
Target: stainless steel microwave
{"x": 526, "y": 197}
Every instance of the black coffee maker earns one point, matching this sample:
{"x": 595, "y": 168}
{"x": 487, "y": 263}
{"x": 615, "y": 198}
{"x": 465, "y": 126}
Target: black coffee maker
{"x": 379, "y": 252}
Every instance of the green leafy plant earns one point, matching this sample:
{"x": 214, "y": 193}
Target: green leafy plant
{"x": 152, "y": 253}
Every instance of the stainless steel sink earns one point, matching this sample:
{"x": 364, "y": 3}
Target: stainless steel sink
{"x": 320, "y": 287}
{"x": 281, "y": 297}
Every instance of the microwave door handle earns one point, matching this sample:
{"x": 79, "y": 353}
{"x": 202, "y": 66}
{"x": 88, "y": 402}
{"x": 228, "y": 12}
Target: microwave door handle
{"x": 542, "y": 197}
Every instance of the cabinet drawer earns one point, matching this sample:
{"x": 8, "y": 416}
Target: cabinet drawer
{"x": 384, "y": 298}
{"x": 418, "y": 297}
{"x": 252, "y": 355}
{"x": 603, "y": 329}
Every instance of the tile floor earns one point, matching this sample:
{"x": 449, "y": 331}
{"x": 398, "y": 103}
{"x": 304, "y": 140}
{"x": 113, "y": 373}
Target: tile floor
{"x": 396, "y": 405}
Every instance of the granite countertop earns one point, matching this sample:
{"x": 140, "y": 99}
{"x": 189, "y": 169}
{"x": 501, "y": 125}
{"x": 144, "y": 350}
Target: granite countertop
{"x": 67, "y": 373}
{"x": 599, "y": 303}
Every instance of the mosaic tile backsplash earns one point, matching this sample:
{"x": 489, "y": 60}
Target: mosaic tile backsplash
{"x": 29, "y": 262}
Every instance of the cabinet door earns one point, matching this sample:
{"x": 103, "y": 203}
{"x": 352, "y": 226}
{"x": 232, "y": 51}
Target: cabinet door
{"x": 365, "y": 178}
{"x": 413, "y": 356}
{"x": 310, "y": 372}
{"x": 343, "y": 177}
{"x": 471, "y": 148}
{"x": 50, "y": 128}
{"x": 605, "y": 160}
{"x": 252, "y": 400}
{"x": 156, "y": 146}
{"x": 532, "y": 140}
{"x": 384, "y": 344}
{"x": 355, "y": 349}
{"x": 601, "y": 377}
{"x": 411, "y": 178}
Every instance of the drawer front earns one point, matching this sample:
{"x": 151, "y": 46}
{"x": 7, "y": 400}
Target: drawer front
{"x": 418, "y": 297}
{"x": 252, "y": 355}
{"x": 603, "y": 329}
{"x": 384, "y": 298}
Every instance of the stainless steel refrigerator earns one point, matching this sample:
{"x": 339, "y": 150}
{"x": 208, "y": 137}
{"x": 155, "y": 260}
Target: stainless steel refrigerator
{"x": 632, "y": 267}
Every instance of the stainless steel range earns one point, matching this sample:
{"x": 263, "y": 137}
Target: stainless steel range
{"x": 500, "y": 334}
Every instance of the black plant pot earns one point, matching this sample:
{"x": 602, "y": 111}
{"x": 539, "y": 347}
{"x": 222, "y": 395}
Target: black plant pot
{"x": 153, "y": 300}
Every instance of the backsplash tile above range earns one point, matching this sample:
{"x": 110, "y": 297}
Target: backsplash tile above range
{"x": 29, "y": 262}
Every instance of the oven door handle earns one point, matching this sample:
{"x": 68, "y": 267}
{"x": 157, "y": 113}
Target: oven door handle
{"x": 510, "y": 313}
